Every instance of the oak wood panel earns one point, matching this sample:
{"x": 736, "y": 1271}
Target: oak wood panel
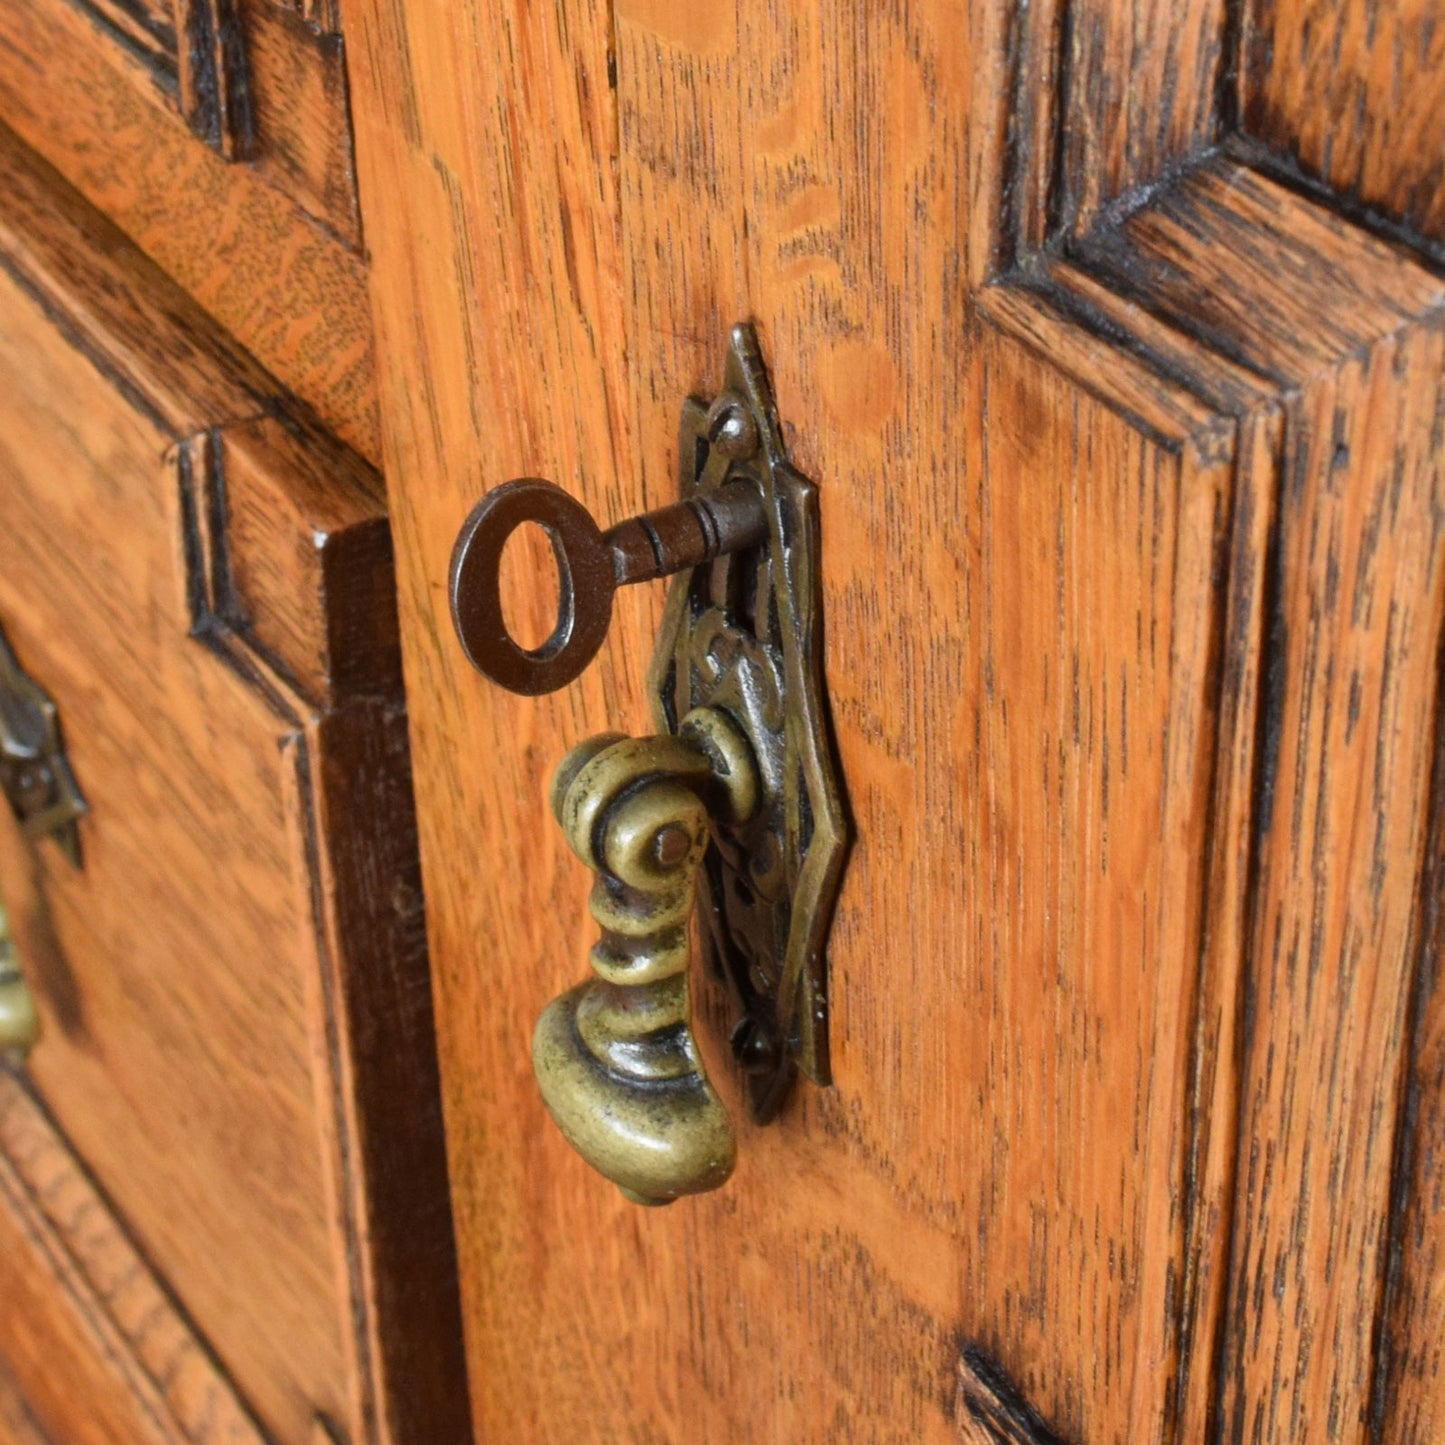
{"x": 181, "y": 1064}
{"x": 265, "y": 84}
{"x": 234, "y": 991}
{"x": 1048, "y": 569}
{"x": 839, "y": 1255}
{"x": 1354, "y": 94}
{"x": 291, "y": 293}
{"x": 99, "y": 1349}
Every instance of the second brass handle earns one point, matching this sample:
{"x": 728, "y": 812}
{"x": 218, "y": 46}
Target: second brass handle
{"x": 616, "y": 1058}
{"x": 19, "y": 1022}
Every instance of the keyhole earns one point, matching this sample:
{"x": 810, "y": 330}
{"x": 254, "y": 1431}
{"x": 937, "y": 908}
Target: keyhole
{"x": 531, "y": 586}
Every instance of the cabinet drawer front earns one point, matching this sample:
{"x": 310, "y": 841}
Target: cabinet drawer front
{"x": 264, "y": 232}
{"x": 203, "y": 584}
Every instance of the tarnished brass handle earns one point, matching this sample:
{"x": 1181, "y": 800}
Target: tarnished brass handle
{"x": 616, "y": 1057}
{"x": 19, "y": 1023}
{"x": 741, "y": 787}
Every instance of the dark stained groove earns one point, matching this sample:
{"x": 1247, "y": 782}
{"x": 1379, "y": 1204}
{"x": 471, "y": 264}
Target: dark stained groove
{"x": 1007, "y": 243}
{"x": 223, "y": 614}
{"x": 1079, "y": 312}
{"x": 215, "y": 623}
{"x": 1112, "y": 215}
{"x": 219, "y": 106}
{"x": 1269, "y": 725}
{"x": 1059, "y": 210}
{"x": 1107, "y": 258}
{"x": 224, "y": 601}
{"x": 1230, "y": 76}
{"x": 998, "y": 1407}
{"x": 1426, "y": 932}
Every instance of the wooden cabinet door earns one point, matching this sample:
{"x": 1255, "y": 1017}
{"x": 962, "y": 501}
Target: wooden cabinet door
{"x": 1112, "y": 335}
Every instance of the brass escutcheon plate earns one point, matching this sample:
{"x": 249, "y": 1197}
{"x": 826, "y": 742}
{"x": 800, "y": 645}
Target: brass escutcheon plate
{"x": 744, "y": 633}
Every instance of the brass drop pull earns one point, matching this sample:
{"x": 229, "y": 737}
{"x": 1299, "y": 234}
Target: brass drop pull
{"x": 616, "y": 1058}
{"x": 735, "y": 807}
{"x": 19, "y": 1022}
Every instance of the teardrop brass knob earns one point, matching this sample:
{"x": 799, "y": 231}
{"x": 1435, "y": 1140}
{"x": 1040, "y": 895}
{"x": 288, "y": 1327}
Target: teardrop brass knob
{"x": 616, "y": 1057}
{"x": 19, "y": 1022}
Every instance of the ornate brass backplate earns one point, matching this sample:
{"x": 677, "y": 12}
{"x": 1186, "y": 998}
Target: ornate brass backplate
{"x": 34, "y": 770}
{"x": 743, "y": 632}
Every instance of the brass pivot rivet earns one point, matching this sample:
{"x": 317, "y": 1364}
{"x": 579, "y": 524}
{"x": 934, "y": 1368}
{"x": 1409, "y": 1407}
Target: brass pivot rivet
{"x": 731, "y": 428}
{"x": 671, "y": 845}
{"x": 755, "y": 1046}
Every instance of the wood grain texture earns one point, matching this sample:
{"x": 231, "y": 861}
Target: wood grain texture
{"x": 213, "y": 74}
{"x": 234, "y": 993}
{"x": 1354, "y": 94}
{"x": 147, "y": 27}
{"x": 288, "y": 290}
{"x": 104, "y": 1356}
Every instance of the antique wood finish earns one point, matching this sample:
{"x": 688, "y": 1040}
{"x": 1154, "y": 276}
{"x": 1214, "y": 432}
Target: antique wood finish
{"x": 1346, "y": 721}
{"x": 212, "y": 76}
{"x": 1133, "y": 609}
{"x": 235, "y": 1007}
{"x": 269, "y": 247}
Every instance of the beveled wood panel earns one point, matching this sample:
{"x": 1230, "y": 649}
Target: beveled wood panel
{"x": 234, "y": 996}
{"x": 295, "y": 74}
{"x": 1107, "y": 98}
{"x": 1351, "y": 331}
